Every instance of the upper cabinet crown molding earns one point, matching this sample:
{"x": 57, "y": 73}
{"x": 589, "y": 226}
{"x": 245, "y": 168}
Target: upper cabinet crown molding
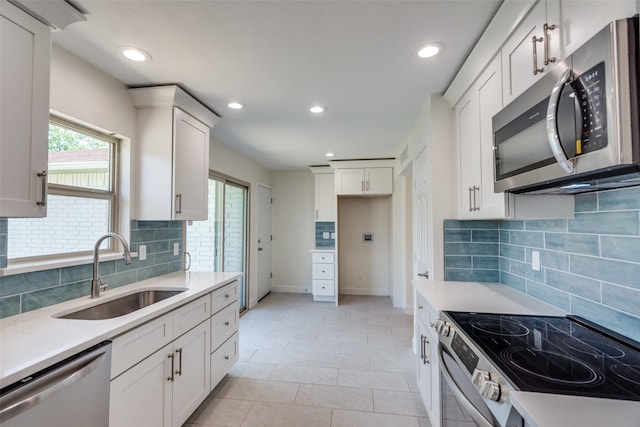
{"x": 58, "y": 14}
{"x": 170, "y": 96}
{"x": 369, "y": 163}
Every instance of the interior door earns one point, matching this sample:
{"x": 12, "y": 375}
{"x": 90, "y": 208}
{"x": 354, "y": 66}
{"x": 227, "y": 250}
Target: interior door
{"x": 421, "y": 252}
{"x": 264, "y": 241}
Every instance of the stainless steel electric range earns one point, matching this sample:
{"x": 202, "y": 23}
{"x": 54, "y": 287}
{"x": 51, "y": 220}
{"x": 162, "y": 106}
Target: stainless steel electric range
{"x": 483, "y": 357}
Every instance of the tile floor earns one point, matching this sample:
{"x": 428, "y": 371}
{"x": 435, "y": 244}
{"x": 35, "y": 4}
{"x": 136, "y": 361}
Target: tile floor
{"x": 307, "y": 364}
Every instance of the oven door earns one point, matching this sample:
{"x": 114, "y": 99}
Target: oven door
{"x": 464, "y": 390}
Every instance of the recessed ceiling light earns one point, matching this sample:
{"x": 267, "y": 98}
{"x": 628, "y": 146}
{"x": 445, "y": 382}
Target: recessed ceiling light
{"x": 236, "y": 105}
{"x": 330, "y": 154}
{"x": 430, "y": 49}
{"x": 134, "y": 54}
{"x": 317, "y": 109}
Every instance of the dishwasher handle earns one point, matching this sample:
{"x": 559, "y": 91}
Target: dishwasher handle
{"x": 64, "y": 378}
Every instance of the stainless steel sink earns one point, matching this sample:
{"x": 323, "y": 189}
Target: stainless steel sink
{"x": 122, "y": 305}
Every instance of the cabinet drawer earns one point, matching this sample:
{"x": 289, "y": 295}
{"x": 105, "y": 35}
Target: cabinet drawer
{"x": 322, "y": 257}
{"x": 324, "y": 287}
{"x": 323, "y": 271}
{"x": 223, "y": 359}
{"x": 223, "y": 325}
{"x": 133, "y": 346}
{"x": 190, "y": 315}
{"x": 427, "y": 314}
{"x": 220, "y": 298}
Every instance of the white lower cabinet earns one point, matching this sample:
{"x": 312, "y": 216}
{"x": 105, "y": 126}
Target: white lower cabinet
{"x": 164, "y": 369}
{"x": 428, "y": 369}
{"x": 323, "y": 275}
{"x": 166, "y": 387}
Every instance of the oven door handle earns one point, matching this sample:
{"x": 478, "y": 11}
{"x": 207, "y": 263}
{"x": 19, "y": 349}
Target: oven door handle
{"x": 462, "y": 399}
{"x": 552, "y": 124}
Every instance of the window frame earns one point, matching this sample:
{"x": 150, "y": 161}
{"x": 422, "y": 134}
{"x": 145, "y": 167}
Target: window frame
{"x": 111, "y": 195}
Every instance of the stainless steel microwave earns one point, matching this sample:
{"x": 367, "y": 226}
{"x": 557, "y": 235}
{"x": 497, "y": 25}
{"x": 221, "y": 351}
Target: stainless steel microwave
{"x": 577, "y": 129}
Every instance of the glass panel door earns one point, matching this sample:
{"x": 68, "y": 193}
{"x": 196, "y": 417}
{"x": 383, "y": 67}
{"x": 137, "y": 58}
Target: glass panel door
{"x": 219, "y": 243}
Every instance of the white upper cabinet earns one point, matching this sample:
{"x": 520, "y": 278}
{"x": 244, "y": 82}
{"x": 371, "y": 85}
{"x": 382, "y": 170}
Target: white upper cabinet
{"x": 173, "y": 138}
{"x": 364, "y": 181}
{"x": 25, "y": 45}
{"x": 325, "y": 197}
{"x": 532, "y": 49}
{"x": 581, "y": 20}
{"x": 474, "y": 113}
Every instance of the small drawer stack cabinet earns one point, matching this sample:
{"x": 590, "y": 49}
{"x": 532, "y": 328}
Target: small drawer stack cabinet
{"x": 323, "y": 275}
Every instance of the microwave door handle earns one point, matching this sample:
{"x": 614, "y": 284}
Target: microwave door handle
{"x": 552, "y": 125}
{"x": 480, "y": 419}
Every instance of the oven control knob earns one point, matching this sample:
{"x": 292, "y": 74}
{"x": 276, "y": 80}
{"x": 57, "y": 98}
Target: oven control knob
{"x": 445, "y": 330}
{"x": 490, "y": 390}
{"x": 438, "y": 326}
{"x": 479, "y": 377}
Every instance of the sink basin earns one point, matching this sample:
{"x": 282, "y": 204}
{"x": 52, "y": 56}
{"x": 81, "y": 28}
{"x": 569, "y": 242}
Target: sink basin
{"x": 122, "y": 305}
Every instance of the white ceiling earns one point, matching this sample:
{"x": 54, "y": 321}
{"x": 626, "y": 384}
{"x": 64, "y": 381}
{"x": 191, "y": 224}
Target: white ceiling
{"x": 357, "y": 58}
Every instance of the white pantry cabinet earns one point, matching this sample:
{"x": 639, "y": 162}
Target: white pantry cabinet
{"x": 173, "y": 139}
{"x": 474, "y": 113}
{"x": 325, "y": 197}
{"x": 364, "y": 181}
{"x": 25, "y": 51}
{"x": 532, "y": 49}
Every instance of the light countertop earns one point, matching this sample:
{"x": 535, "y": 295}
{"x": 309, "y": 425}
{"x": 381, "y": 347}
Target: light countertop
{"x": 538, "y": 409}
{"x": 35, "y": 340}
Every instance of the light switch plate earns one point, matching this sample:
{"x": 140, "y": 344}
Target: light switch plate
{"x": 535, "y": 260}
{"x": 176, "y": 248}
{"x": 142, "y": 252}
{"x": 325, "y": 234}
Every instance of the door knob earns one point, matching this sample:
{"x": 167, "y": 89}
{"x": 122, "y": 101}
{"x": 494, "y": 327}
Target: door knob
{"x": 260, "y": 249}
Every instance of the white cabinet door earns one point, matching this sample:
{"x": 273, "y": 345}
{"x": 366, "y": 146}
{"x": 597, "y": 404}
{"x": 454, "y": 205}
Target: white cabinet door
{"x": 523, "y": 60}
{"x": 379, "y": 181}
{"x": 325, "y": 197}
{"x": 142, "y": 396}
{"x": 369, "y": 181}
{"x": 349, "y": 181}
{"x": 24, "y": 79}
{"x": 474, "y": 113}
{"x": 191, "y": 167}
{"x": 192, "y": 372}
{"x": 428, "y": 369}
{"x": 583, "y": 19}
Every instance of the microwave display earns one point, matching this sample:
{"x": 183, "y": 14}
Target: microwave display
{"x": 590, "y": 92}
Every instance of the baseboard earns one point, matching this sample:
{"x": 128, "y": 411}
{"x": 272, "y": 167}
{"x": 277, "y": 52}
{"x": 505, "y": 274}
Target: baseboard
{"x": 362, "y": 291}
{"x": 291, "y": 289}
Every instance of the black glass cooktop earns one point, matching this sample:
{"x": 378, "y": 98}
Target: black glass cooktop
{"x": 555, "y": 354}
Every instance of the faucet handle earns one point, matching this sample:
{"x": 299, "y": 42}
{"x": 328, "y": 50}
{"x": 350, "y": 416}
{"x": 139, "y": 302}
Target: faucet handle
{"x": 103, "y": 287}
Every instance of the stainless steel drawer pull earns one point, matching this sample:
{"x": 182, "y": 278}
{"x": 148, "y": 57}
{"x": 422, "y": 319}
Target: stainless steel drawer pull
{"x": 226, "y": 358}
{"x": 546, "y": 28}
{"x": 535, "y": 40}
{"x": 227, "y": 323}
{"x": 43, "y": 178}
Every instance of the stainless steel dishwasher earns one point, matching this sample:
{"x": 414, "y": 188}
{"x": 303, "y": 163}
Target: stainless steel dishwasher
{"x": 74, "y": 392}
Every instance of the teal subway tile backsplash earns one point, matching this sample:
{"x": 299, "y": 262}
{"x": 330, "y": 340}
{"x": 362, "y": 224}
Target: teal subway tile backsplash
{"x": 325, "y": 227}
{"x": 590, "y": 265}
{"x": 24, "y": 292}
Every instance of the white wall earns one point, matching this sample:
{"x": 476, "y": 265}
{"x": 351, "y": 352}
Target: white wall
{"x": 83, "y": 93}
{"x": 364, "y": 267}
{"x": 226, "y": 160}
{"x": 293, "y": 230}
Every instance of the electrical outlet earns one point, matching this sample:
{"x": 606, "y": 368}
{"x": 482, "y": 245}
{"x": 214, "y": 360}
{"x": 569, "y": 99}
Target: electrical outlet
{"x": 325, "y": 234}
{"x": 535, "y": 260}
{"x": 176, "y": 248}
{"x": 142, "y": 252}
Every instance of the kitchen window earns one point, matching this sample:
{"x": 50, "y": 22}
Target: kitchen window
{"x": 81, "y": 200}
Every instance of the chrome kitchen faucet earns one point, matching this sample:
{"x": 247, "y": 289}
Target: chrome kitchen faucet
{"x": 96, "y": 282}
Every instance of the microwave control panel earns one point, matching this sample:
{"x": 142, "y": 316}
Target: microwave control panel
{"x": 590, "y": 97}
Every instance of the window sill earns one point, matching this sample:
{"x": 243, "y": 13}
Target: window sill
{"x": 32, "y": 266}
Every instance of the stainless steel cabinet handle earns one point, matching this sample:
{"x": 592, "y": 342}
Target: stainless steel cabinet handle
{"x": 546, "y": 28}
{"x": 425, "y": 274}
{"x": 179, "y": 203}
{"x": 475, "y": 200}
{"x": 227, "y": 323}
{"x": 362, "y": 186}
{"x": 470, "y": 205}
{"x": 179, "y": 370}
{"x": 226, "y": 358}
{"x": 43, "y": 178}
{"x": 316, "y": 213}
{"x": 171, "y": 378}
{"x": 368, "y": 185}
{"x": 227, "y": 295}
{"x": 535, "y": 40}
{"x": 420, "y": 307}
